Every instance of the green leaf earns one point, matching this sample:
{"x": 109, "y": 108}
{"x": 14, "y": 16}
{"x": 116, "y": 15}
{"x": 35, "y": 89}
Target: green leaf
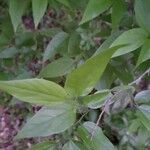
{"x": 16, "y": 10}
{"x": 38, "y": 91}
{"x": 49, "y": 121}
{"x": 106, "y": 44}
{"x": 80, "y": 145}
{"x": 54, "y": 44}
{"x": 38, "y": 8}
{"x": 95, "y": 100}
{"x": 135, "y": 124}
{"x": 94, "y": 9}
{"x": 144, "y": 115}
{"x": 122, "y": 72}
{"x": 143, "y": 97}
{"x": 8, "y": 52}
{"x": 46, "y": 145}
{"x": 83, "y": 134}
{"x": 49, "y": 32}
{"x": 145, "y": 52}
{"x": 57, "y": 68}
{"x": 118, "y": 11}
{"x": 81, "y": 80}
{"x": 26, "y": 39}
{"x": 74, "y": 43}
{"x": 133, "y": 38}
{"x": 65, "y": 3}
{"x": 106, "y": 79}
{"x": 4, "y": 40}
{"x": 70, "y": 146}
{"x": 142, "y": 14}
{"x": 7, "y": 27}
{"x": 99, "y": 140}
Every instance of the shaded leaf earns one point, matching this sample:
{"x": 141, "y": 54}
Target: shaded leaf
{"x": 83, "y": 134}
{"x": 95, "y": 8}
{"x": 26, "y": 39}
{"x": 118, "y": 10}
{"x": 38, "y": 8}
{"x": 49, "y": 121}
{"x": 50, "y": 32}
{"x": 106, "y": 44}
{"x": 142, "y": 14}
{"x": 95, "y": 100}
{"x": 88, "y": 73}
{"x": 38, "y": 91}
{"x": 99, "y": 140}
{"x": 144, "y": 115}
{"x": 134, "y": 39}
{"x": 143, "y": 97}
{"x": 106, "y": 79}
{"x": 46, "y": 145}
{"x": 145, "y": 52}
{"x": 74, "y": 43}
{"x": 122, "y": 72}
{"x": 7, "y": 27}
{"x": 65, "y": 3}
{"x": 16, "y": 10}
{"x": 8, "y": 52}
{"x": 57, "y": 68}
{"x": 54, "y": 44}
{"x": 70, "y": 146}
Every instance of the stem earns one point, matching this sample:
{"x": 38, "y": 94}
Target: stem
{"x": 106, "y": 104}
{"x": 139, "y": 79}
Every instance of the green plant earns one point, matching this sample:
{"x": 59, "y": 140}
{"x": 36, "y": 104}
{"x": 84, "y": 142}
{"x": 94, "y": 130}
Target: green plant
{"x": 84, "y": 77}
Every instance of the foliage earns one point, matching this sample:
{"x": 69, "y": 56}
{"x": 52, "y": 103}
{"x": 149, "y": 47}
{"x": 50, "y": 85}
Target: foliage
{"x": 86, "y": 63}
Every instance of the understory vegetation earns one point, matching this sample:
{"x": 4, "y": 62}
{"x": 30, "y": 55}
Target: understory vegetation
{"x": 75, "y": 74}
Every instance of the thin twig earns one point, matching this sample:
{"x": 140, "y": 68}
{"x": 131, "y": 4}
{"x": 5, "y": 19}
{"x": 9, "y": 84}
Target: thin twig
{"x": 107, "y": 103}
{"x": 139, "y": 79}
{"x": 80, "y": 119}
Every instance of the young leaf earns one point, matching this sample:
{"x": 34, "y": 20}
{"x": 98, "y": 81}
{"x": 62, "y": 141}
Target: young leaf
{"x": 134, "y": 39}
{"x": 46, "y": 145}
{"x": 118, "y": 10}
{"x": 143, "y": 97}
{"x": 70, "y": 146}
{"x": 16, "y": 10}
{"x": 144, "y": 115}
{"x": 142, "y": 13}
{"x": 57, "y": 68}
{"x": 145, "y": 52}
{"x": 94, "y": 101}
{"x": 99, "y": 140}
{"x": 81, "y": 80}
{"x": 94, "y": 9}
{"x": 38, "y": 8}
{"x": 38, "y": 91}
{"x": 54, "y": 44}
{"x": 49, "y": 121}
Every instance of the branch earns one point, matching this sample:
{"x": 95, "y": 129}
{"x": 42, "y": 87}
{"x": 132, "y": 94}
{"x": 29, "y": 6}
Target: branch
{"x": 139, "y": 79}
{"x": 107, "y": 103}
